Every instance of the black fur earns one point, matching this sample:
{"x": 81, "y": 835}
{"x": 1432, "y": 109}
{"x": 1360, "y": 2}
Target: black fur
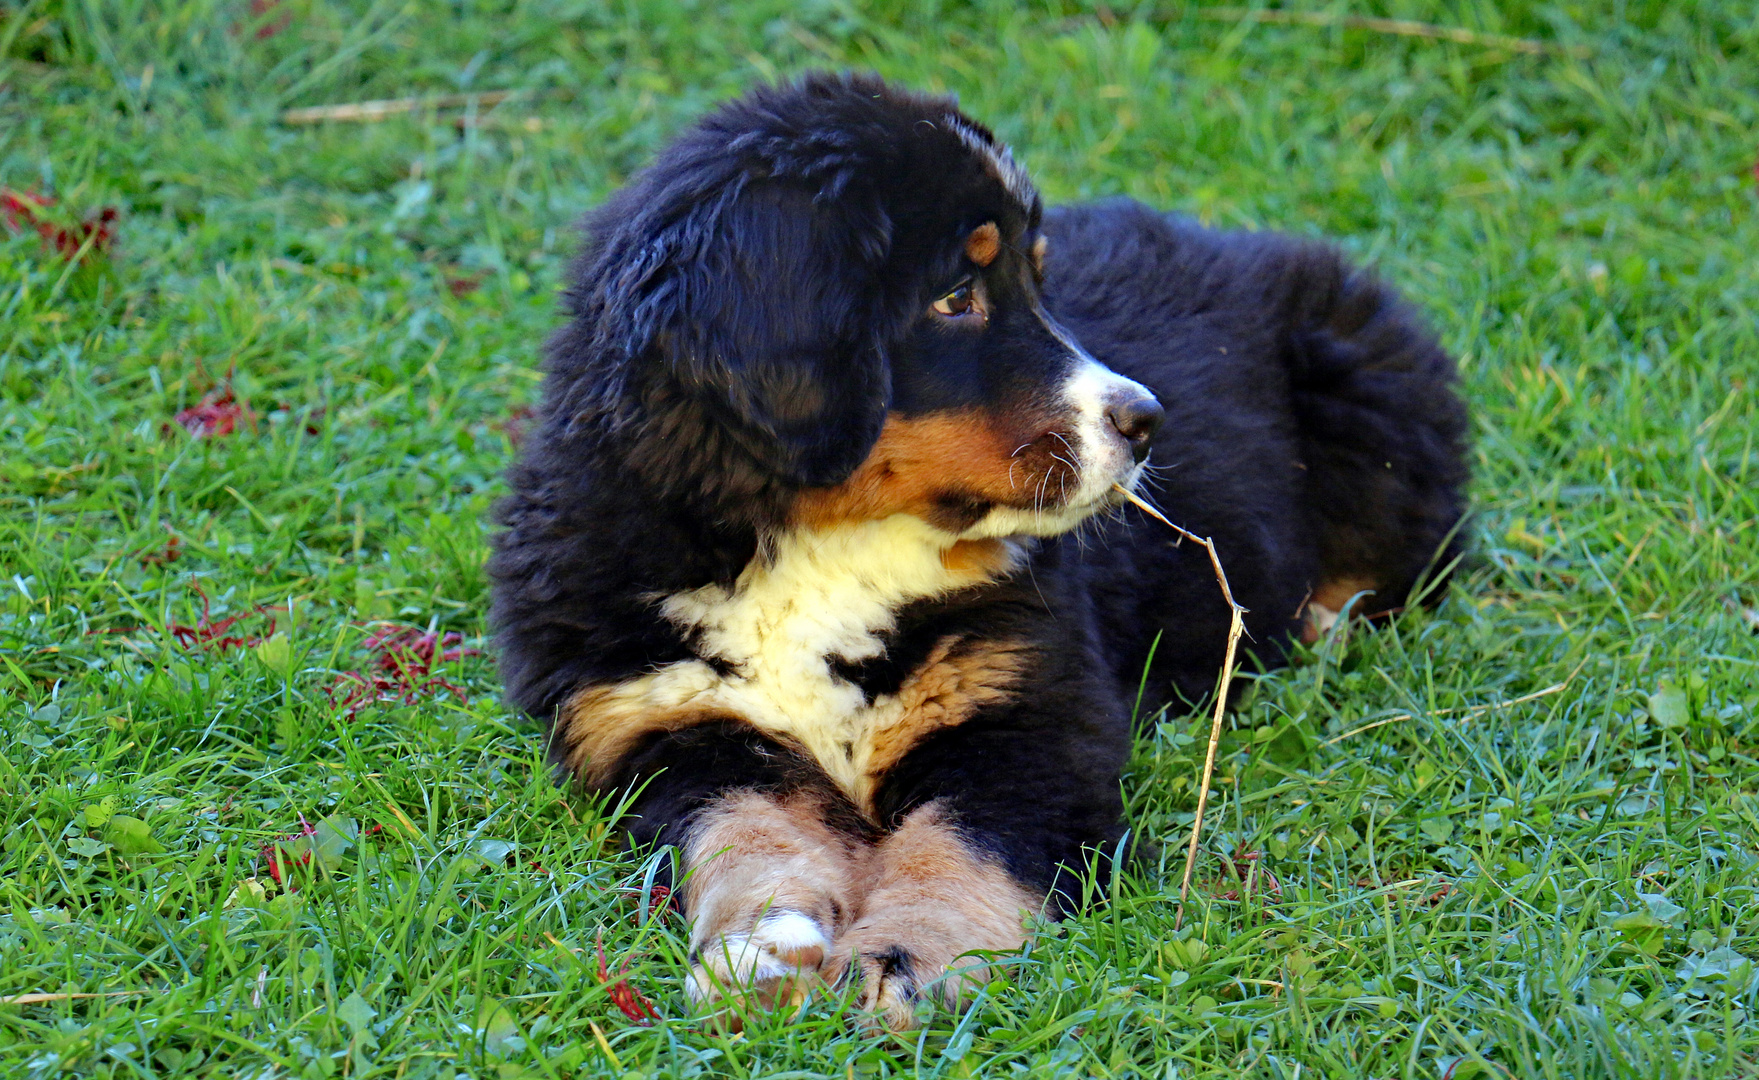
{"x": 749, "y": 310}
{"x": 1312, "y": 430}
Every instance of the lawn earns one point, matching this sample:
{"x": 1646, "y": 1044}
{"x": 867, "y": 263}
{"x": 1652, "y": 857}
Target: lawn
{"x": 263, "y": 815}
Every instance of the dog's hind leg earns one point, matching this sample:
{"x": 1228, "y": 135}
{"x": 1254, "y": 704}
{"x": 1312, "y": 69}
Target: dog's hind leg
{"x": 1382, "y": 441}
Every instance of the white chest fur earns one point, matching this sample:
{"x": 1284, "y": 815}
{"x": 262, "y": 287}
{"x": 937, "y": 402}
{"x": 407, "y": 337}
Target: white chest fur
{"x": 822, "y": 596}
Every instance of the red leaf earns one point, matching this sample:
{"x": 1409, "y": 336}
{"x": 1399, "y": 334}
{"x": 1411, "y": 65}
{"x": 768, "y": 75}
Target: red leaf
{"x": 212, "y": 635}
{"x": 627, "y": 999}
{"x": 659, "y": 899}
{"x": 260, "y": 8}
{"x": 170, "y": 553}
{"x": 206, "y": 633}
{"x": 275, "y": 853}
{"x": 217, "y": 414}
{"x": 402, "y": 670}
{"x": 1242, "y": 867}
{"x": 90, "y": 237}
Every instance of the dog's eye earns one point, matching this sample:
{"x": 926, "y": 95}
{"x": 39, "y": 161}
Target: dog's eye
{"x": 955, "y": 303}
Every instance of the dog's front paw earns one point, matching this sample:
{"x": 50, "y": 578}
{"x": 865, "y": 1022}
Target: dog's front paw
{"x": 924, "y": 952}
{"x": 768, "y": 889}
{"x": 774, "y": 963}
{"x": 935, "y": 914}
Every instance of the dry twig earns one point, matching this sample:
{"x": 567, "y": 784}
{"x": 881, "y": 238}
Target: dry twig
{"x": 43, "y": 999}
{"x": 368, "y": 112}
{"x": 1400, "y": 27}
{"x": 1465, "y": 714}
{"x": 1236, "y": 626}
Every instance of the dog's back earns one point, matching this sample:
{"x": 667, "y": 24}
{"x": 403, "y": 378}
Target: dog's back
{"x": 1312, "y": 429}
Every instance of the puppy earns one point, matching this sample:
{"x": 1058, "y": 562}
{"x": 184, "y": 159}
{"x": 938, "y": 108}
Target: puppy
{"x": 817, "y": 550}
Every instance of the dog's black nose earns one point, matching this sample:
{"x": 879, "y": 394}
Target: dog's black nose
{"x": 1137, "y": 420}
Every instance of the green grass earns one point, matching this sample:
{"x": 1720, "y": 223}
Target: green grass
{"x": 1562, "y": 886}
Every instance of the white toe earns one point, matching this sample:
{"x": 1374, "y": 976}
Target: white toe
{"x": 783, "y": 944}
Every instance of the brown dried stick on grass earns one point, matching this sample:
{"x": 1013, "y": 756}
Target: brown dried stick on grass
{"x": 1464, "y": 713}
{"x": 1400, "y": 27}
{"x": 45, "y": 999}
{"x": 1236, "y": 627}
{"x": 368, "y": 112}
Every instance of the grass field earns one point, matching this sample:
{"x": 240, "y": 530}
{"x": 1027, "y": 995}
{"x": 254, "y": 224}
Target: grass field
{"x": 1518, "y": 835}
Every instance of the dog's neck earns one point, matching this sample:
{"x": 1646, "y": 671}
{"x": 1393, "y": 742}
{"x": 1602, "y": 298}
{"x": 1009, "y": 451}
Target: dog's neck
{"x": 826, "y": 593}
{"x": 816, "y": 601}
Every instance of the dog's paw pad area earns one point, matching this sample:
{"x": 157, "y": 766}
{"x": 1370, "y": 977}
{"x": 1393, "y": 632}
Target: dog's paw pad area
{"x": 889, "y": 992}
{"x": 772, "y": 963}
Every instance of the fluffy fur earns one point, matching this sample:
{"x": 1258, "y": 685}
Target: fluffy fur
{"x": 789, "y": 553}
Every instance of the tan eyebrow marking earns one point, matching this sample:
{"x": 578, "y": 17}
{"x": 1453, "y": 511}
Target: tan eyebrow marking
{"x": 1039, "y": 247}
{"x": 984, "y": 244}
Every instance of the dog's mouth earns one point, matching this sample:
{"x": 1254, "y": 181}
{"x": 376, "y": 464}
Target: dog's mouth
{"x": 1085, "y": 493}
{"x": 1073, "y": 468}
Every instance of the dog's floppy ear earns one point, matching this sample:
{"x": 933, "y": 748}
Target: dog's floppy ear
{"x": 762, "y": 303}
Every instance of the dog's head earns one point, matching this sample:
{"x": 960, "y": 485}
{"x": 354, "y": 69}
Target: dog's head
{"x": 821, "y": 304}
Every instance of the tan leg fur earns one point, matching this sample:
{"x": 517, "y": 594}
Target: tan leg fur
{"x": 930, "y": 900}
{"x": 768, "y": 887}
{"x": 1327, "y": 604}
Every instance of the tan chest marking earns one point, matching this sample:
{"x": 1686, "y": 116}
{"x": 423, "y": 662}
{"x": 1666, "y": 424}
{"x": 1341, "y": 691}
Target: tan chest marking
{"x": 959, "y": 677}
{"x": 824, "y": 596}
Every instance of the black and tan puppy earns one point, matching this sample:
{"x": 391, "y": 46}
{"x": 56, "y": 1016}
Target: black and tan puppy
{"x": 790, "y": 554}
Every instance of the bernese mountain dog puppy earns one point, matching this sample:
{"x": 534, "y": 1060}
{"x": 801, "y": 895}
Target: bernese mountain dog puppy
{"x": 815, "y": 555}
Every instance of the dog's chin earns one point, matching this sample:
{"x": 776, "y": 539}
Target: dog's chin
{"x": 1096, "y": 495}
